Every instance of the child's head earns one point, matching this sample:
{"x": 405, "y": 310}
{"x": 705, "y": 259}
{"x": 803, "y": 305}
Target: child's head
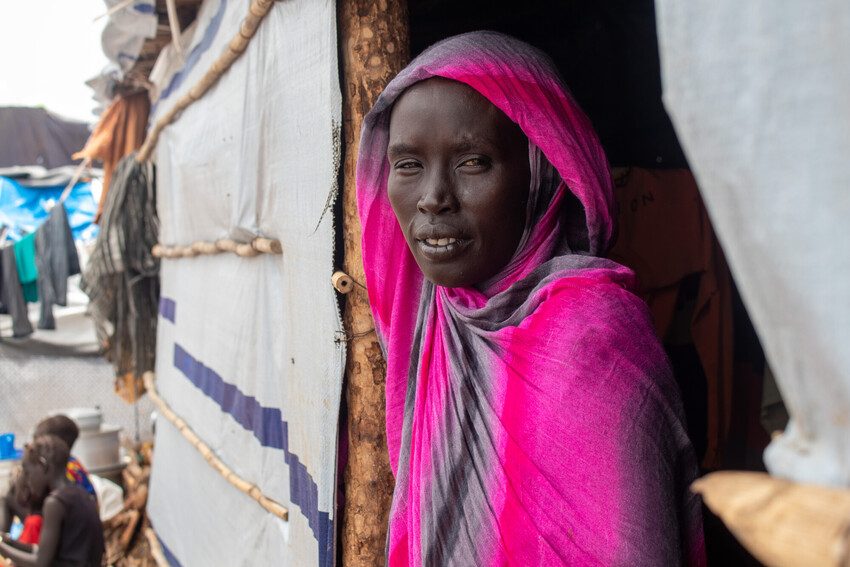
{"x": 43, "y": 463}
{"x": 61, "y": 426}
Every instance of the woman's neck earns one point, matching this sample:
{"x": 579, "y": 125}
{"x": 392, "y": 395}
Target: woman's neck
{"x": 58, "y": 482}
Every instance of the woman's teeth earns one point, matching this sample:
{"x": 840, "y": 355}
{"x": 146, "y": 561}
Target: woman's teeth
{"x": 440, "y": 241}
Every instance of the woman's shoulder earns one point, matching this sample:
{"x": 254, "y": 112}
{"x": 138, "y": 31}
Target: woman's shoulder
{"x": 598, "y": 328}
{"x": 71, "y": 494}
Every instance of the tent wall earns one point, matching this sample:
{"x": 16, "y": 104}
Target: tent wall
{"x": 758, "y": 94}
{"x": 248, "y": 350}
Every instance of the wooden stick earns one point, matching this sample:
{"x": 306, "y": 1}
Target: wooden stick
{"x": 267, "y": 245}
{"x": 226, "y": 245}
{"x": 256, "y": 12}
{"x": 202, "y": 247}
{"x": 156, "y": 549}
{"x": 246, "y": 250}
{"x": 782, "y": 523}
{"x": 248, "y": 488}
{"x": 256, "y": 247}
{"x": 115, "y": 8}
{"x": 373, "y": 46}
{"x": 174, "y": 26}
{"x": 342, "y": 282}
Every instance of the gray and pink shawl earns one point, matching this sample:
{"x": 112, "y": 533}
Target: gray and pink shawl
{"x": 535, "y": 422}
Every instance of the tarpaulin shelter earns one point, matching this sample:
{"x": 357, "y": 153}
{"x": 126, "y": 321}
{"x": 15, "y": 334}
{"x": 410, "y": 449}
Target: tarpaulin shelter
{"x": 35, "y": 136}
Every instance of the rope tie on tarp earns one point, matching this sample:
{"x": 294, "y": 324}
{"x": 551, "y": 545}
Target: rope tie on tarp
{"x": 244, "y": 486}
{"x": 237, "y": 46}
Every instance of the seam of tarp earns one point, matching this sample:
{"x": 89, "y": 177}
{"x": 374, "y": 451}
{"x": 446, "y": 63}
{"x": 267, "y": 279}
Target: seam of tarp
{"x": 192, "y": 60}
{"x": 270, "y": 429}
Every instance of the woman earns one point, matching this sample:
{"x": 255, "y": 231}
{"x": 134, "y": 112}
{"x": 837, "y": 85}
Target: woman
{"x": 71, "y": 533}
{"x": 532, "y": 418}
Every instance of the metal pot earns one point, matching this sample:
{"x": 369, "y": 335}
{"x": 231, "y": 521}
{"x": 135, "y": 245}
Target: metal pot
{"x": 87, "y": 419}
{"x": 99, "y": 449}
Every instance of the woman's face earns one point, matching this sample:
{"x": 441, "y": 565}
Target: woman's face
{"x": 458, "y": 184}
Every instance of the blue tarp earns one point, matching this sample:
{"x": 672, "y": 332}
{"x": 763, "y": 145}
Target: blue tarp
{"x": 23, "y": 209}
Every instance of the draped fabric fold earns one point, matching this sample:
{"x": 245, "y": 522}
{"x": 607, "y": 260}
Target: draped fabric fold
{"x": 532, "y": 420}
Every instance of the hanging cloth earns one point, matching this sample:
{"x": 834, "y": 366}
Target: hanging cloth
{"x": 122, "y": 275}
{"x": 57, "y": 259}
{"x": 11, "y": 293}
{"x": 121, "y": 130}
{"x": 27, "y": 267}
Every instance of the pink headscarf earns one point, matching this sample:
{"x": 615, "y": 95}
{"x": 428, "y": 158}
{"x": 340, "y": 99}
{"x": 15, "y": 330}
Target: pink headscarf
{"x": 535, "y": 422}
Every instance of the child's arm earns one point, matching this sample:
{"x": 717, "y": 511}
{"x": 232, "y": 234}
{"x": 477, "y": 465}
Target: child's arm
{"x": 15, "y": 544}
{"x": 10, "y": 549}
{"x": 44, "y": 554}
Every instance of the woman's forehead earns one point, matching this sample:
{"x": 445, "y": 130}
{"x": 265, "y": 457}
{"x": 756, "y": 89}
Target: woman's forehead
{"x": 449, "y": 109}
{"x": 440, "y": 93}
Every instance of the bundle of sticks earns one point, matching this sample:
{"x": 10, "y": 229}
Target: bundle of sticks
{"x": 130, "y": 542}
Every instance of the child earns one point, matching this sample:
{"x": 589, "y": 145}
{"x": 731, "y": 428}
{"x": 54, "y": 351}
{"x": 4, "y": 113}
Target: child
{"x": 72, "y": 533}
{"x": 12, "y": 505}
{"x": 65, "y": 429}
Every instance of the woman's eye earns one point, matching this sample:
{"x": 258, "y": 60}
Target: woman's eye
{"x": 407, "y": 164}
{"x": 474, "y": 162}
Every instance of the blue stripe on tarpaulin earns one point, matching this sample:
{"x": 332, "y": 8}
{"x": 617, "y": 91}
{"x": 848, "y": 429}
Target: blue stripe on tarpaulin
{"x": 167, "y": 308}
{"x": 193, "y": 57}
{"x": 271, "y": 431}
{"x": 145, "y": 8}
{"x": 170, "y": 557}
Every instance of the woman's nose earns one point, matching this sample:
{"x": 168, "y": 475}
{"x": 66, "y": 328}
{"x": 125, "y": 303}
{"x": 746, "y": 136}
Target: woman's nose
{"x": 439, "y": 196}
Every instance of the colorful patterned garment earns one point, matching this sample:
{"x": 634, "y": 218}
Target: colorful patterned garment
{"x": 76, "y": 473}
{"x": 536, "y": 422}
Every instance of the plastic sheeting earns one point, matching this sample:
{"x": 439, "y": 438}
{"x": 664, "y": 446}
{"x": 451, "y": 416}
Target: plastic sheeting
{"x": 127, "y": 30}
{"x": 758, "y": 94}
{"x": 248, "y": 349}
{"x": 23, "y": 209}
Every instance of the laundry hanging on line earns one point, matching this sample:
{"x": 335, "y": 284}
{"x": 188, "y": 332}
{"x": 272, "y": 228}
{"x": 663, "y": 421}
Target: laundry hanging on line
{"x": 42, "y": 255}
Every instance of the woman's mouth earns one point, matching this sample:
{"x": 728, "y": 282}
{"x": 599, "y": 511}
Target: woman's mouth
{"x": 442, "y": 249}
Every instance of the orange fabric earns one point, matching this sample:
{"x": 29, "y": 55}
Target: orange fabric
{"x": 665, "y": 235}
{"x": 121, "y": 130}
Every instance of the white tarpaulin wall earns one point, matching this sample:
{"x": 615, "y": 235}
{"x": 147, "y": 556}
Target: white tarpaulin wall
{"x": 247, "y": 349}
{"x": 759, "y": 93}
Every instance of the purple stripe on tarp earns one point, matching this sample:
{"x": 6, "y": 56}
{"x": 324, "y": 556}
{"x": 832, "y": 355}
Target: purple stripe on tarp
{"x": 170, "y": 557}
{"x": 270, "y": 429}
{"x": 167, "y": 308}
{"x": 193, "y": 58}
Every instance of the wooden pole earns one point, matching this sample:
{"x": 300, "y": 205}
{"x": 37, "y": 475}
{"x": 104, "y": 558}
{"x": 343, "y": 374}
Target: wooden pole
{"x": 374, "y": 45}
{"x": 782, "y": 523}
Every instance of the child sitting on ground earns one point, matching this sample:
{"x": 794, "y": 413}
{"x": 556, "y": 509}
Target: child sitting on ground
{"x": 10, "y": 505}
{"x": 65, "y": 429}
{"x": 72, "y": 533}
